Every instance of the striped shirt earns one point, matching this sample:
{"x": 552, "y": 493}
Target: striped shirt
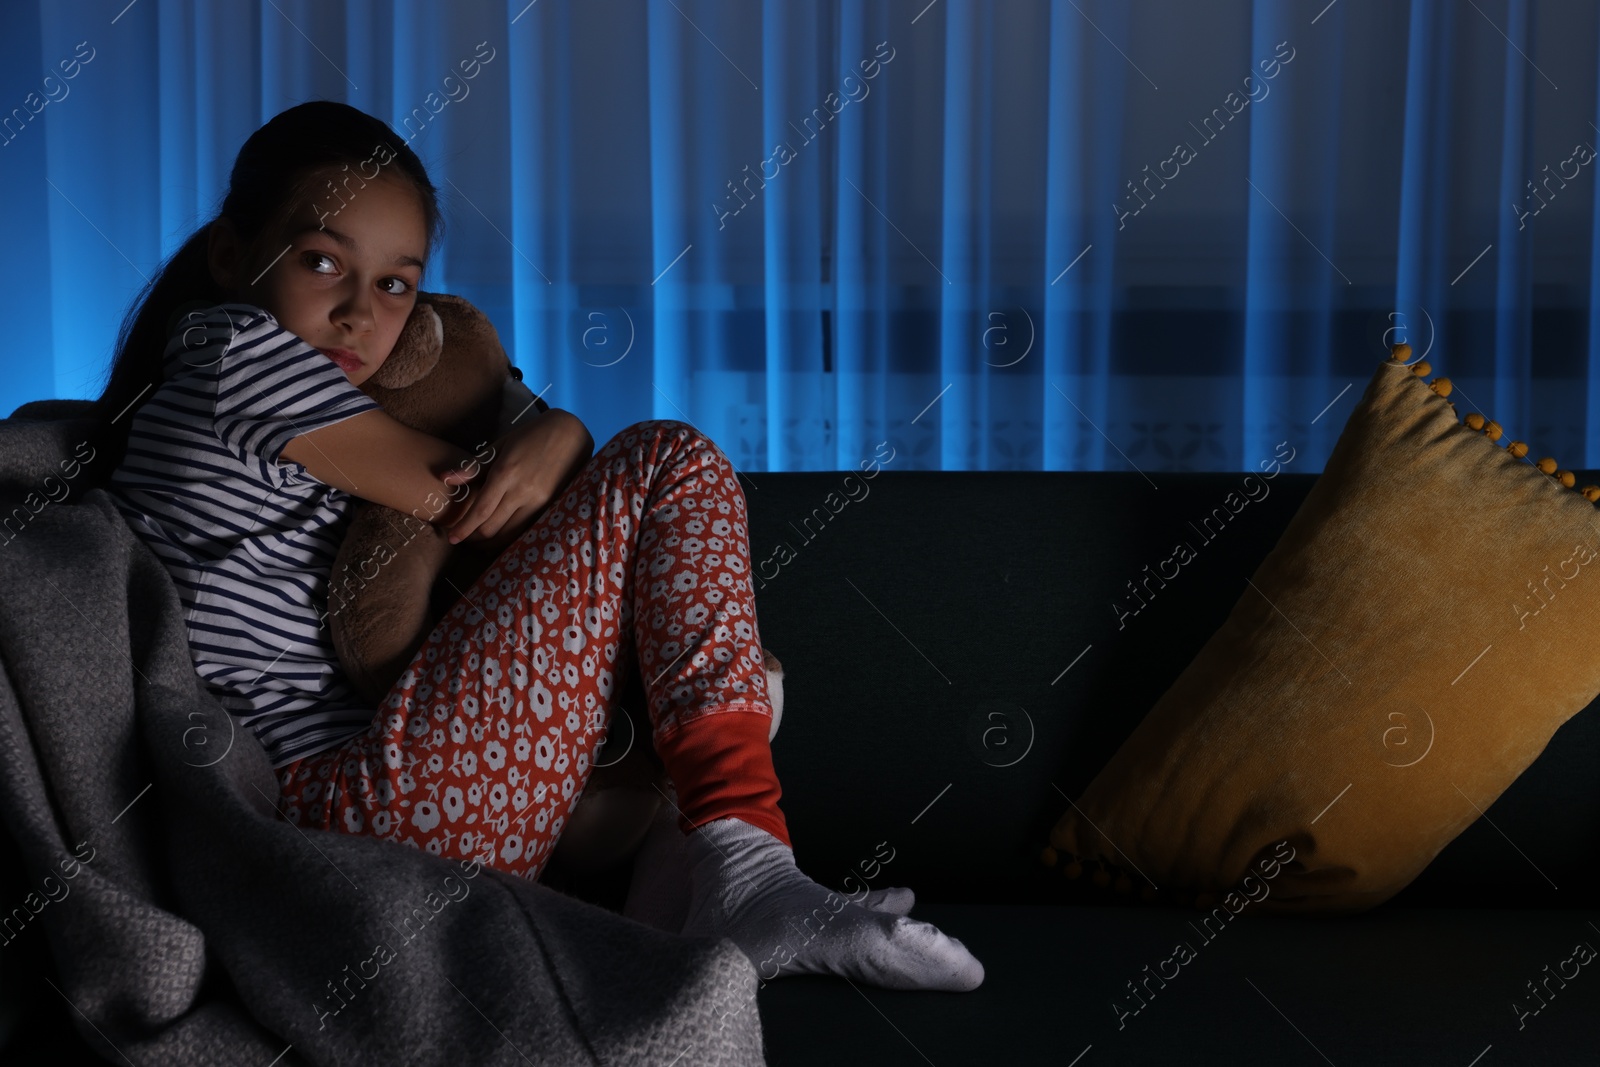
{"x": 249, "y": 541}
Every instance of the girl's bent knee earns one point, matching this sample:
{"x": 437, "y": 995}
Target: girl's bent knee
{"x": 666, "y": 429}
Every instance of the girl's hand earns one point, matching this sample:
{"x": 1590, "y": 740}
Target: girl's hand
{"x": 531, "y": 464}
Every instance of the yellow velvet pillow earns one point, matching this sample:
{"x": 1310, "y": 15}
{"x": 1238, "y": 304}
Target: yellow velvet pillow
{"x": 1427, "y": 621}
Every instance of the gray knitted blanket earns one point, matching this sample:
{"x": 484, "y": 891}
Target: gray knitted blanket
{"x": 188, "y": 925}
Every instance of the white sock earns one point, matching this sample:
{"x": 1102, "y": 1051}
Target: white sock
{"x": 744, "y": 885}
{"x": 658, "y": 891}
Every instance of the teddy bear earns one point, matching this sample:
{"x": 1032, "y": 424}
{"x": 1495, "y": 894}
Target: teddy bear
{"x": 396, "y": 575}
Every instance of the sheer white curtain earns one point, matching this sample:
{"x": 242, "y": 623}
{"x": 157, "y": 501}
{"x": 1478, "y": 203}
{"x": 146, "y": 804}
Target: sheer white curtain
{"x": 1021, "y": 234}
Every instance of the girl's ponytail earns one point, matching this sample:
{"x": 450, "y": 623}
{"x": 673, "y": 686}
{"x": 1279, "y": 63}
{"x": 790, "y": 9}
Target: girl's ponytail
{"x": 183, "y": 282}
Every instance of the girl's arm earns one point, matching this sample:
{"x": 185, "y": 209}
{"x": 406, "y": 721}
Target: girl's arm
{"x": 378, "y": 458}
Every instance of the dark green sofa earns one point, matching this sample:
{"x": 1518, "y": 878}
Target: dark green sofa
{"x": 955, "y": 670}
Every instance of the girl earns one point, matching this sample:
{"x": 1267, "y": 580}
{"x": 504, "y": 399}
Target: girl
{"x": 240, "y": 436}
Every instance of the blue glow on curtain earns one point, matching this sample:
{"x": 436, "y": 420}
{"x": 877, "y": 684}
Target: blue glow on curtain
{"x": 958, "y": 227}
{"x": 1085, "y": 98}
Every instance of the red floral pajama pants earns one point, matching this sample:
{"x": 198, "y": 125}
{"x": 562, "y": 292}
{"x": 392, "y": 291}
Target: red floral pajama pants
{"x": 485, "y": 743}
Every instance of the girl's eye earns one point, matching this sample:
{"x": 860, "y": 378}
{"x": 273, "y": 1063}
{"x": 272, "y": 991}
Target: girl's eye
{"x": 394, "y": 286}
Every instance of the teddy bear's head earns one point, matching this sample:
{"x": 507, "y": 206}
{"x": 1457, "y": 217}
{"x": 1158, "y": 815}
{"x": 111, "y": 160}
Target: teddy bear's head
{"x": 455, "y": 399}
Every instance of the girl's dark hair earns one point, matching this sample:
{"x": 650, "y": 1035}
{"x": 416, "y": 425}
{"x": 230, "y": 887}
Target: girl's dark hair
{"x": 278, "y": 169}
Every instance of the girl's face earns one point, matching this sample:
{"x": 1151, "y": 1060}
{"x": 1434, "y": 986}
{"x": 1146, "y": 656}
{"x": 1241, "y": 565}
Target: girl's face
{"x": 346, "y": 271}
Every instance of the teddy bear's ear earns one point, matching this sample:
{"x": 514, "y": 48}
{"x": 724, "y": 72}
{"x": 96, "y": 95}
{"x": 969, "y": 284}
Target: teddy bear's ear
{"x": 417, "y": 350}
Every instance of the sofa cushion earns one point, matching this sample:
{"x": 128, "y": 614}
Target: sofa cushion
{"x": 1408, "y": 648}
